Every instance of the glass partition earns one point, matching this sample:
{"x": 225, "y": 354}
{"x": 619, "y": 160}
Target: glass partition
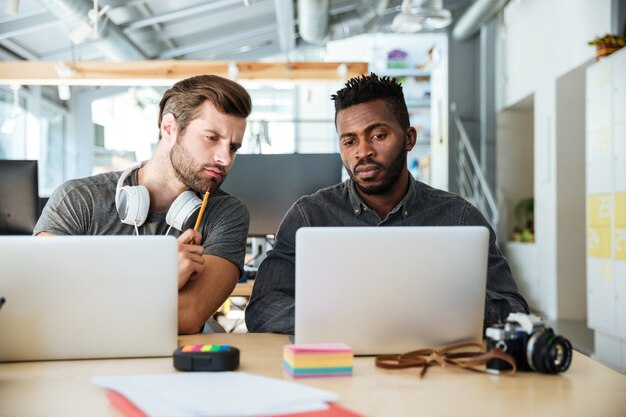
{"x": 33, "y": 128}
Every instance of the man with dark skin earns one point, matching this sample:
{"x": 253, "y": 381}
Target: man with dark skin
{"x": 375, "y": 135}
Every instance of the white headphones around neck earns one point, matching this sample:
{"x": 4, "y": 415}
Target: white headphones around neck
{"x": 133, "y": 203}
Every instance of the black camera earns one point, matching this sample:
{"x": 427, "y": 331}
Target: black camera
{"x": 534, "y": 346}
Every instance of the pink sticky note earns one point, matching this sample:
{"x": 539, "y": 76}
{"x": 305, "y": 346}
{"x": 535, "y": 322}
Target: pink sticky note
{"x": 319, "y": 348}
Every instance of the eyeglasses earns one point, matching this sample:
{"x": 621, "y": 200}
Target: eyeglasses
{"x": 449, "y": 356}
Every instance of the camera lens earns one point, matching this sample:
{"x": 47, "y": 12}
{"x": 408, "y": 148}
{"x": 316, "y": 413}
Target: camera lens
{"x": 549, "y": 353}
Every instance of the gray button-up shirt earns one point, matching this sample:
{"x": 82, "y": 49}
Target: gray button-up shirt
{"x": 271, "y": 307}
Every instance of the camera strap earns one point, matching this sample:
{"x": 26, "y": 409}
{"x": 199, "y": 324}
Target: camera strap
{"x": 454, "y": 356}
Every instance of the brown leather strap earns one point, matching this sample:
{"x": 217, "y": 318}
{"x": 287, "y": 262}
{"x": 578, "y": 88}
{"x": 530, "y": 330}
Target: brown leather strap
{"x": 451, "y": 356}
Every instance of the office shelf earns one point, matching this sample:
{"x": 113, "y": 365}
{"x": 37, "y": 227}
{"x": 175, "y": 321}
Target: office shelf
{"x": 404, "y": 72}
{"x": 417, "y": 102}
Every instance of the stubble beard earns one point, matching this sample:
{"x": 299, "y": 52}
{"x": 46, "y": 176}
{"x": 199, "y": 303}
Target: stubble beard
{"x": 392, "y": 175}
{"x": 189, "y": 172}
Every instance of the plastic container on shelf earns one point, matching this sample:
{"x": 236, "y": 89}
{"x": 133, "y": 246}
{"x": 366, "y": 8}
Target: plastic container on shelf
{"x": 397, "y": 58}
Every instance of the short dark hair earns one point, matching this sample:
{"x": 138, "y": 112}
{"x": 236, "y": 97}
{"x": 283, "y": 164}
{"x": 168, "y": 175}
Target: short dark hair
{"x": 372, "y": 87}
{"x": 186, "y": 96}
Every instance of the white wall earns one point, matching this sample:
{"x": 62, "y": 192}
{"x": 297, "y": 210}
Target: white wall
{"x": 543, "y": 40}
{"x": 314, "y": 103}
{"x": 439, "y": 140}
{"x": 514, "y": 159}
{"x": 570, "y": 178}
{"x": 515, "y": 174}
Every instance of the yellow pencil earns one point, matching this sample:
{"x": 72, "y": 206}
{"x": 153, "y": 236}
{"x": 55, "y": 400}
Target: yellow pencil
{"x": 202, "y": 207}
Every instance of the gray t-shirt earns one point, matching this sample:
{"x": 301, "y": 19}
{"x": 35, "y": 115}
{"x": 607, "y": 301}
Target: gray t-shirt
{"x": 86, "y": 206}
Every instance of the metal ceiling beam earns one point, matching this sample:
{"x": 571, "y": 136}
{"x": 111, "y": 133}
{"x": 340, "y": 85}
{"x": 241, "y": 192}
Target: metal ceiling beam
{"x": 144, "y": 10}
{"x": 87, "y": 52}
{"x": 257, "y": 12}
{"x": 113, "y": 42}
{"x": 126, "y": 3}
{"x": 6, "y": 54}
{"x": 316, "y": 26}
{"x": 179, "y": 14}
{"x": 285, "y": 22}
{"x": 236, "y": 47}
{"x": 250, "y": 53}
{"x": 479, "y": 13}
{"x": 26, "y": 22}
{"x": 200, "y": 46}
{"x": 19, "y": 50}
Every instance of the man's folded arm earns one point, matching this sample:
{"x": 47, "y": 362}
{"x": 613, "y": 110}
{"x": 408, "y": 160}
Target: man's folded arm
{"x": 503, "y": 296}
{"x": 271, "y": 308}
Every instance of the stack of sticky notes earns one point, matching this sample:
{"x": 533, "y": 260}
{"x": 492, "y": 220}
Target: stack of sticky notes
{"x": 318, "y": 359}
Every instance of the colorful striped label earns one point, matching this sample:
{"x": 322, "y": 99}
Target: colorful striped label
{"x": 204, "y": 348}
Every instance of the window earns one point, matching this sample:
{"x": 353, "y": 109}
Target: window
{"x": 34, "y": 131}
{"x": 12, "y": 125}
{"x": 125, "y": 129}
{"x": 52, "y": 155}
{"x": 271, "y": 127}
{"x": 289, "y": 118}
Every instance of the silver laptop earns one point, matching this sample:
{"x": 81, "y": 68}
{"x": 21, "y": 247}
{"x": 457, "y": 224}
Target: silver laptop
{"x": 390, "y": 289}
{"x": 85, "y": 297}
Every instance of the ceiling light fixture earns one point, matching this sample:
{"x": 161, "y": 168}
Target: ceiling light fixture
{"x": 64, "y": 72}
{"x": 12, "y": 7}
{"x": 421, "y": 15}
{"x": 89, "y": 28}
{"x": 233, "y": 71}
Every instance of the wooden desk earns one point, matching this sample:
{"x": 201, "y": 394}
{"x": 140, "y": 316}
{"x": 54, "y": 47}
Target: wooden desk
{"x": 243, "y": 289}
{"x": 587, "y": 389}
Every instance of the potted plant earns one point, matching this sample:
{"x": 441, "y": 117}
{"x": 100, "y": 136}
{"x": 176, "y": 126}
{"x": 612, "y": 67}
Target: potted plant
{"x": 609, "y": 43}
{"x": 524, "y": 230}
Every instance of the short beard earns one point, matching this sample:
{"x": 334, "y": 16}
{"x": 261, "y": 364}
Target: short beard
{"x": 393, "y": 174}
{"x": 189, "y": 172}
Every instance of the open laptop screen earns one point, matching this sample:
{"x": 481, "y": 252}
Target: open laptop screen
{"x": 390, "y": 289}
{"x": 85, "y": 297}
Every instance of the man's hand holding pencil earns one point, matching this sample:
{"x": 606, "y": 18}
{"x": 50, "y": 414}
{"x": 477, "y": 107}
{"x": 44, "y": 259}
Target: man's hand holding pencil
{"x": 190, "y": 250}
{"x": 190, "y": 259}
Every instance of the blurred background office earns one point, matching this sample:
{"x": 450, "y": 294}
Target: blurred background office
{"x": 511, "y": 108}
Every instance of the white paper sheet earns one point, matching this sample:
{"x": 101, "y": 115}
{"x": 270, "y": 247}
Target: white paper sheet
{"x": 219, "y": 394}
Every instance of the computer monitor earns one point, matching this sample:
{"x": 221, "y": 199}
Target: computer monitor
{"x": 19, "y": 197}
{"x": 270, "y": 184}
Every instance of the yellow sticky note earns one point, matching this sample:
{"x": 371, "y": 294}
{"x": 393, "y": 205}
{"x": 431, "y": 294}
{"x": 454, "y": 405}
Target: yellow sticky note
{"x": 606, "y": 272}
{"x": 599, "y": 210}
{"x": 620, "y": 210}
{"x": 620, "y": 243}
{"x": 599, "y": 242}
